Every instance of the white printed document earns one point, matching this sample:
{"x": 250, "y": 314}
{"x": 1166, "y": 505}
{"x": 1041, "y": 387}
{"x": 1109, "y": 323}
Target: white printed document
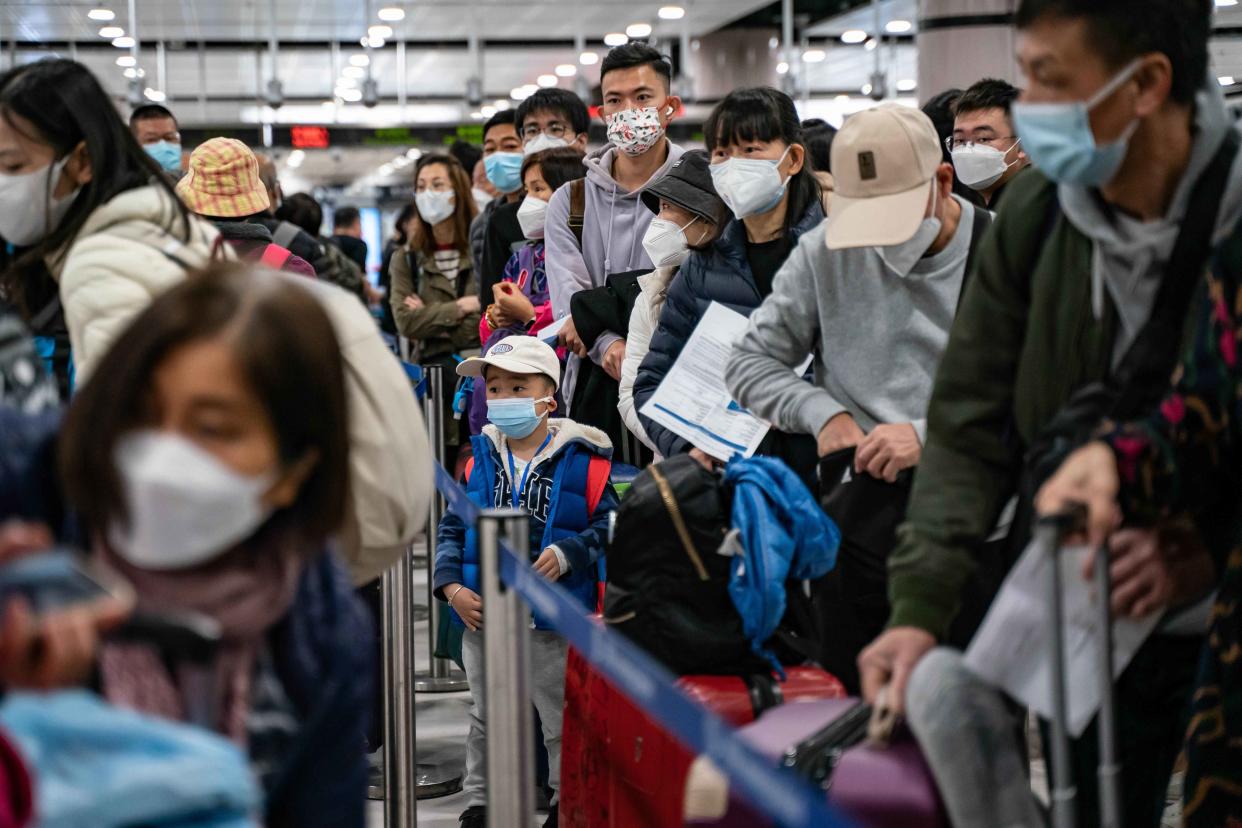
{"x": 551, "y": 332}
{"x": 692, "y": 400}
{"x": 1011, "y": 648}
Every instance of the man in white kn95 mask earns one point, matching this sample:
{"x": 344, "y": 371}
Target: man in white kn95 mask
{"x": 987, "y": 152}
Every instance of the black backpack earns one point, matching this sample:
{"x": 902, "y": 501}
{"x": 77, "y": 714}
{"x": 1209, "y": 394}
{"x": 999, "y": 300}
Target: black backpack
{"x": 668, "y": 586}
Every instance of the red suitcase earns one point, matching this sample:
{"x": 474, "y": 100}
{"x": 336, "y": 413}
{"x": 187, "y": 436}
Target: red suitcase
{"x": 619, "y": 769}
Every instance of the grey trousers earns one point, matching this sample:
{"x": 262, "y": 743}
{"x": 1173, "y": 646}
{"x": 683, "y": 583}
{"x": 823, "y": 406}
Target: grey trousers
{"x": 547, "y": 690}
{"x": 970, "y": 740}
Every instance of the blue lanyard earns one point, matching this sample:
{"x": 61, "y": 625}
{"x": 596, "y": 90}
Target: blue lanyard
{"x": 518, "y": 490}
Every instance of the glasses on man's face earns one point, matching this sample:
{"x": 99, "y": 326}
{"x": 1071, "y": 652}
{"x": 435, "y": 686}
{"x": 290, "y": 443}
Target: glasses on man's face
{"x": 956, "y": 143}
{"x": 555, "y": 130}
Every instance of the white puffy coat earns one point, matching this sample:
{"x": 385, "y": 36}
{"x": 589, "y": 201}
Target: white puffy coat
{"x": 643, "y": 321}
{"x": 134, "y": 247}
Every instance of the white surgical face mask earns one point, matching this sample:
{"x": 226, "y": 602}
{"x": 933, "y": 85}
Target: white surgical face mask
{"x": 979, "y": 166}
{"x": 28, "y": 212}
{"x": 750, "y": 186}
{"x": 531, "y": 216}
{"x": 666, "y": 243}
{"x": 901, "y": 258}
{"x": 481, "y": 198}
{"x": 435, "y": 205}
{"x": 543, "y": 141}
{"x": 185, "y": 506}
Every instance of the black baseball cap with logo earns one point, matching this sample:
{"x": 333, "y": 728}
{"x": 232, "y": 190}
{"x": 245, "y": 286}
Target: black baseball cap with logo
{"x": 688, "y": 184}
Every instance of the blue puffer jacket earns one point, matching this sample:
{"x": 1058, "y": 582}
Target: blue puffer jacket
{"x": 720, "y": 274}
{"x": 322, "y": 652}
{"x": 555, "y": 497}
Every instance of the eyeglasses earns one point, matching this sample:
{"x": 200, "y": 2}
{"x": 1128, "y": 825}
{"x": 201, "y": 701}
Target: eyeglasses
{"x": 554, "y": 130}
{"x": 954, "y": 143}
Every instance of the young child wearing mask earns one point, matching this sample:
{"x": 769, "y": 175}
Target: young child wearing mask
{"x": 202, "y": 479}
{"x": 523, "y": 459}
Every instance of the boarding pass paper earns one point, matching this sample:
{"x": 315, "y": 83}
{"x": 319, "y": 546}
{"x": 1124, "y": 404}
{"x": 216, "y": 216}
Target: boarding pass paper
{"x": 692, "y": 400}
{"x": 1011, "y": 649}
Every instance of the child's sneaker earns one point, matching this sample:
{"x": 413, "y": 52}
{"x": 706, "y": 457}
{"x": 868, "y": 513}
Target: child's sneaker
{"x": 474, "y": 817}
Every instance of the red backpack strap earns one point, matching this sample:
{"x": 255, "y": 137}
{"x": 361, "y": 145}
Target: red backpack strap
{"x": 598, "y": 473}
{"x": 469, "y": 468}
{"x": 275, "y": 256}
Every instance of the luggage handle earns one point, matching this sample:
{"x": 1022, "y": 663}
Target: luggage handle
{"x": 1051, "y": 531}
{"x": 883, "y": 721}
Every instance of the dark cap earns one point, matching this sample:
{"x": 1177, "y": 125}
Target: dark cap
{"x": 688, "y": 184}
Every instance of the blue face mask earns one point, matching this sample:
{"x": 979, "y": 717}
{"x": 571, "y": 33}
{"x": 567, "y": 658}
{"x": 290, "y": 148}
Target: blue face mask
{"x": 504, "y": 170}
{"x": 1059, "y": 140}
{"x": 515, "y": 417}
{"x": 166, "y": 154}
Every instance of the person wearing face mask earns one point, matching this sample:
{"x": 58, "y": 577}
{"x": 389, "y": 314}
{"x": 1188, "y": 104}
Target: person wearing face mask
{"x": 986, "y": 151}
{"x": 502, "y": 165}
{"x": 548, "y": 119}
{"x": 596, "y": 228}
{"x": 157, "y": 131}
{"x": 689, "y": 218}
{"x": 1137, "y": 178}
{"x": 871, "y": 293}
{"x": 759, "y": 169}
{"x": 549, "y": 469}
{"x": 200, "y": 480}
{"x": 433, "y": 294}
{"x": 521, "y": 303}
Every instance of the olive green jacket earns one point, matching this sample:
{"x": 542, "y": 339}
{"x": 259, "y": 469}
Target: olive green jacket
{"x": 439, "y": 327}
{"x": 1024, "y": 340}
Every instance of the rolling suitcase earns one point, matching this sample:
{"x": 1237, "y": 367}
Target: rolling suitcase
{"x": 619, "y": 769}
{"x": 879, "y": 786}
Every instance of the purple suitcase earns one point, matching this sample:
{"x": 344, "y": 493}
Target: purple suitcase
{"x": 879, "y": 787}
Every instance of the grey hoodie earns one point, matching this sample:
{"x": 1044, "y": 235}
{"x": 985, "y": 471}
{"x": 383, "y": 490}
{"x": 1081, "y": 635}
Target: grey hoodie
{"x": 1130, "y": 255}
{"x": 612, "y": 241}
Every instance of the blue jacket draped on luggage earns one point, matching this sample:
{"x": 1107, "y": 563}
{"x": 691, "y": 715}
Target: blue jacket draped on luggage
{"x": 720, "y": 274}
{"x": 784, "y": 534}
{"x": 556, "y": 498}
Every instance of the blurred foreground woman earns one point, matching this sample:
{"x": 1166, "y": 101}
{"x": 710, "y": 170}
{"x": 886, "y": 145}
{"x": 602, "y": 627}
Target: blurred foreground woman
{"x": 210, "y": 465}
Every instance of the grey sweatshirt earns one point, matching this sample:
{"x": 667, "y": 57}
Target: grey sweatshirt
{"x": 612, "y": 242}
{"x": 1131, "y": 255}
{"x": 877, "y": 337}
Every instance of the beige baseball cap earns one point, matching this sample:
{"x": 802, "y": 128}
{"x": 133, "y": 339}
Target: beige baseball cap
{"x": 883, "y": 160}
{"x": 518, "y": 355}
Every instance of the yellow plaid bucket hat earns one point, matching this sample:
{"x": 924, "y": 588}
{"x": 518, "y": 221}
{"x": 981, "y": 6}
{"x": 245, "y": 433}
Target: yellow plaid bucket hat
{"x": 223, "y": 181}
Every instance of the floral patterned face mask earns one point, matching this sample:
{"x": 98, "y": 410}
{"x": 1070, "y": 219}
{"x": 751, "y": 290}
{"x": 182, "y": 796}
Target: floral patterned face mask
{"x": 634, "y": 131}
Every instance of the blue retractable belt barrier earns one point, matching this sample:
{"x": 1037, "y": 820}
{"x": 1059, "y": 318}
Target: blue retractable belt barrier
{"x": 417, "y": 377}
{"x": 789, "y": 800}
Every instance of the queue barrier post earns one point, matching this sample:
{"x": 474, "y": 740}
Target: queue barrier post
{"x": 439, "y": 676}
{"x": 506, "y": 670}
{"x": 400, "y": 780}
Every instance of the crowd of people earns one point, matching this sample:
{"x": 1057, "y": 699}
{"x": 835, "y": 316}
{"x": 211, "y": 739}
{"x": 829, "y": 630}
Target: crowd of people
{"x": 994, "y": 308}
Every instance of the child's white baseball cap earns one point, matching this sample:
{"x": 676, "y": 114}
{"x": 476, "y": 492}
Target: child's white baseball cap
{"x": 518, "y": 355}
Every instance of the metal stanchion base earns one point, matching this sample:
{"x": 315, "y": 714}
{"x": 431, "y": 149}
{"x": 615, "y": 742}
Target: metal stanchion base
{"x": 425, "y": 683}
{"x": 434, "y": 780}
{"x": 439, "y": 780}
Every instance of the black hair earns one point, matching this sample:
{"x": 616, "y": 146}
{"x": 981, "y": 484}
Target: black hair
{"x": 761, "y": 113}
{"x": 303, "y": 211}
{"x": 504, "y": 116}
{"x": 148, "y": 112}
{"x": 65, "y": 106}
{"x": 941, "y": 109}
{"x": 817, "y": 134}
{"x": 637, "y": 54}
{"x": 559, "y": 101}
{"x": 403, "y": 218}
{"x": 345, "y": 217}
{"x": 989, "y": 93}
{"x": 559, "y": 166}
{"x": 1122, "y": 30}
{"x": 465, "y": 152}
